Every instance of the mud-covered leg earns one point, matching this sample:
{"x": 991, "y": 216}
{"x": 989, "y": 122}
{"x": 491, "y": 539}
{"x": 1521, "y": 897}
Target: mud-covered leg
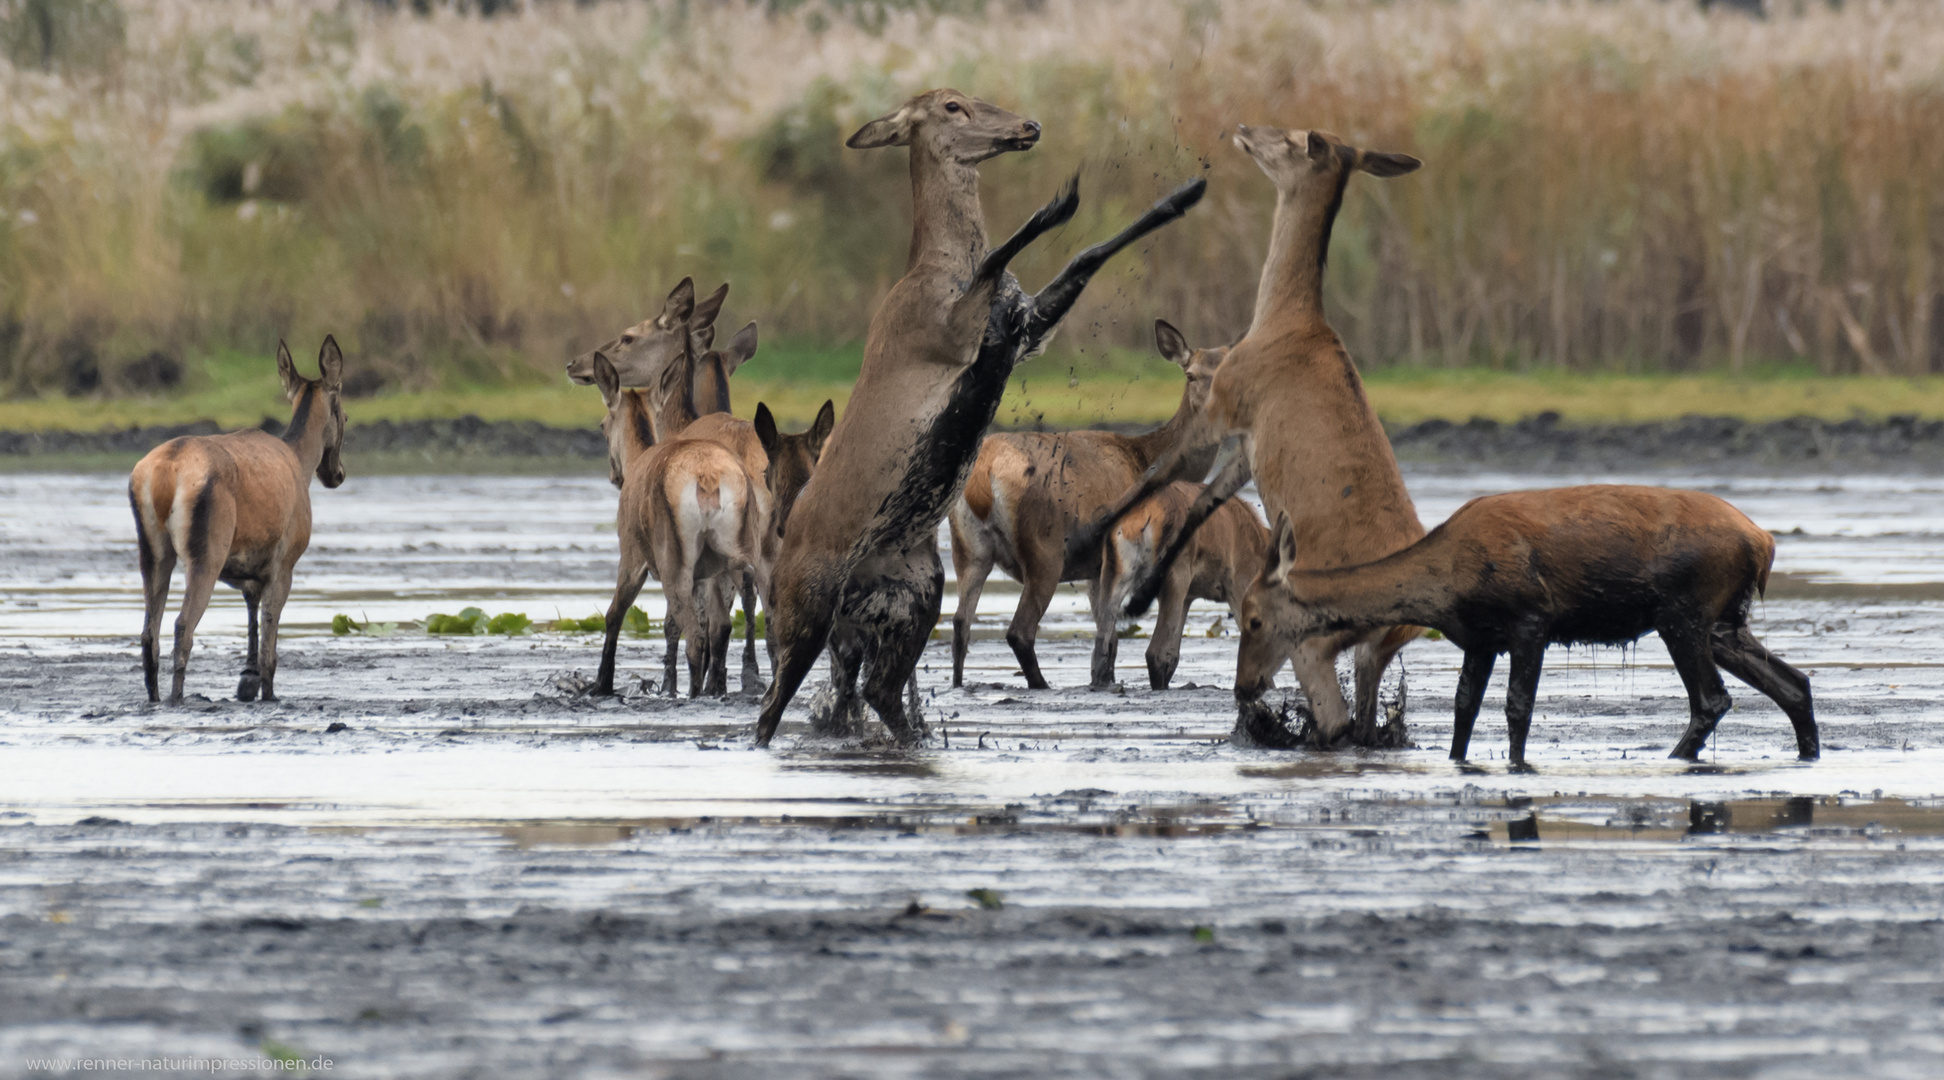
{"x": 752, "y": 668}
{"x": 275, "y": 594}
{"x": 671, "y": 654}
{"x": 717, "y": 598}
{"x": 972, "y": 572}
{"x": 1164, "y": 649}
{"x": 1708, "y": 699}
{"x": 801, "y": 621}
{"x": 842, "y": 715}
{"x": 896, "y": 619}
{"x": 1528, "y": 657}
{"x": 1472, "y": 679}
{"x": 1372, "y": 658}
{"x": 627, "y": 586}
{"x": 157, "y": 569}
{"x": 1314, "y": 665}
{"x": 1737, "y": 650}
{"x": 252, "y": 681}
{"x": 1106, "y": 643}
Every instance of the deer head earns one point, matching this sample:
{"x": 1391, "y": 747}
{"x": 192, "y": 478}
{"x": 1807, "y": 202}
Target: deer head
{"x": 1302, "y": 161}
{"x": 1199, "y": 365}
{"x": 792, "y": 458}
{"x": 948, "y": 126}
{"x": 643, "y": 351}
{"x": 324, "y": 409}
{"x": 1273, "y": 619}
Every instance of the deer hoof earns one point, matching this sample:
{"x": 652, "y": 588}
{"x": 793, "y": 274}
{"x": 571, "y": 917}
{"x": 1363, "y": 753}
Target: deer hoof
{"x": 247, "y": 687}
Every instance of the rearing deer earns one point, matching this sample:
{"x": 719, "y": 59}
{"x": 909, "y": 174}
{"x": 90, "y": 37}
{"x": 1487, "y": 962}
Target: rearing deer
{"x": 1028, "y": 490}
{"x": 1290, "y": 408}
{"x": 859, "y": 567}
{"x": 236, "y": 509}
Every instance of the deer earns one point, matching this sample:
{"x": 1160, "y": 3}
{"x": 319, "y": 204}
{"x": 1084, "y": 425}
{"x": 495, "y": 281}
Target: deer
{"x": 1220, "y": 562}
{"x": 1601, "y": 564}
{"x": 1028, "y": 490}
{"x": 1289, "y": 409}
{"x": 859, "y": 569}
{"x": 689, "y": 515}
{"x": 235, "y": 508}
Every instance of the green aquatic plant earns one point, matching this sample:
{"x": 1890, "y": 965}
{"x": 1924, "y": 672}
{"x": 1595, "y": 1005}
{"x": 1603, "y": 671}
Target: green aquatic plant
{"x": 508, "y": 623}
{"x": 762, "y": 622}
{"x": 593, "y": 624}
{"x": 637, "y": 623}
{"x": 989, "y": 899}
{"x": 1130, "y": 630}
{"x": 469, "y": 621}
{"x": 342, "y": 624}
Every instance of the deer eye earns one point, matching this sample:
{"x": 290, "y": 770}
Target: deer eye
{"x": 627, "y": 339}
{"x": 952, "y": 107}
{"x": 1255, "y": 624}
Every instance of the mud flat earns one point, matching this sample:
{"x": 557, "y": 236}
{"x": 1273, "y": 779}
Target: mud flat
{"x": 1542, "y": 442}
{"x": 434, "y": 859}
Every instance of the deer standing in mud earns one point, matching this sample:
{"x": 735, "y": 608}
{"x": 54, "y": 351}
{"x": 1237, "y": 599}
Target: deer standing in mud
{"x": 1290, "y": 408}
{"x": 1028, "y": 490}
{"x": 235, "y": 508}
{"x": 859, "y": 568}
{"x": 1513, "y": 573}
{"x": 1220, "y": 562}
{"x": 689, "y": 515}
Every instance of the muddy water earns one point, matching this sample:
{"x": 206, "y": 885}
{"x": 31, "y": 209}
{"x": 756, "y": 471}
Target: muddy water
{"x": 478, "y": 873}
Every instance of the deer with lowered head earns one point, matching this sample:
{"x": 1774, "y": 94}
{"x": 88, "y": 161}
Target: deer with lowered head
{"x": 859, "y": 568}
{"x": 1514, "y": 573}
{"x": 1028, "y": 490}
{"x": 236, "y": 508}
{"x": 1221, "y": 560}
{"x": 1290, "y": 410}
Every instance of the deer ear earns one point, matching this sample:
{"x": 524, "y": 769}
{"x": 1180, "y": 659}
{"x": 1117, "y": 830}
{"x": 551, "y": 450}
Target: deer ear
{"x": 1282, "y": 551}
{"x": 740, "y": 348}
{"x": 330, "y": 363}
{"x": 605, "y": 377}
{"x": 293, "y": 383}
{"x": 707, "y": 308}
{"x": 820, "y": 430}
{"x": 1318, "y": 145}
{"x": 1172, "y": 345}
{"x": 766, "y": 432}
{"x": 892, "y": 130}
{"x": 1378, "y": 163}
{"x": 681, "y": 303}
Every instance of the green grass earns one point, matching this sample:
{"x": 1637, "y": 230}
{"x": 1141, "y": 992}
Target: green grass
{"x": 1120, "y": 387}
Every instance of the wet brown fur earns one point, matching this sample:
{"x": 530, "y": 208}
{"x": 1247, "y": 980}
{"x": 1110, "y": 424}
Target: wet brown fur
{"x": 1028, "y": 491}
{"x": 1513, "y": 573}
{"x": 1219, "y": 564}
{"x": 235, "y": 508}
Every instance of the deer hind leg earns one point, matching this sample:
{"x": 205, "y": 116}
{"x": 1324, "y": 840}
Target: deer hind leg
{"x": 212, "y": 526}
{"x": 800, "y": 624}
{"x": 719, "y": 593}
{"x": 1472, "y": 679}
{"x": 1038, "y": 578}
{"x": 1106, "y": 646}
{"x": 1373, "y": 656}
{"x": 1314, "y": 664}
{"x": 252, "y": 681}
{"x": 842, "y": 716}
{"x": 1522, "y": 689}
{"x": 895, "y": 645}
{"x": 971, "y": 566}
{"x": 1164, "y": 649}
{"x": 158, "y": 561}
{"x": 1708, "y": 699}
{"x": 1736, "y": 650}
{"x": 752, "y": 668}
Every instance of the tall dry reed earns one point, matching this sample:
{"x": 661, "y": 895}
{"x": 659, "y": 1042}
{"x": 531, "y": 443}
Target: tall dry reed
{"x": 1627, "y": 185}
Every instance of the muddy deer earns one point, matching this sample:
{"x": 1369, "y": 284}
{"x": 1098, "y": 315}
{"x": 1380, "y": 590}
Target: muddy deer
{"x": 1220, "y": 562}
{"x": 1514, "y": 573}
{"x": 689, "y": 515}
{"x": 859, "y": 567}
{"x": 1028, "y": 490}
{"x": 235, "y": 508}
{"x": 1290, "y": 409}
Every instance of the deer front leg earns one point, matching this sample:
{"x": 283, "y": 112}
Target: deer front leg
{"x": 275, "y": 595}
{"x": 1472, "y": 679}
{"x": 1314, "y": 665}
{"x": 1522, "y": 688}
{"x": 1164, "y": 649}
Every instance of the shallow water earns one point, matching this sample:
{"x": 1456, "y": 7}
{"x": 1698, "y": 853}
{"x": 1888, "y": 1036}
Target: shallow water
{"x": 676, "y": 904}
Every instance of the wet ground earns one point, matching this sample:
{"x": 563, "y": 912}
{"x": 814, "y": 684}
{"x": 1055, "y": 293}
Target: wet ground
{"x": 431, "y": 859}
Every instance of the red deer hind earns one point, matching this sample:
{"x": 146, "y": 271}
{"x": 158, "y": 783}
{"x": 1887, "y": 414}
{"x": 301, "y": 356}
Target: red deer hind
{"x": 859, "y": 568}
{"x": 1514, "y": 573}
{"x": 236, "y": 508}
{"x": 1028, "y": 490}
{"x": 1290, "y": 408}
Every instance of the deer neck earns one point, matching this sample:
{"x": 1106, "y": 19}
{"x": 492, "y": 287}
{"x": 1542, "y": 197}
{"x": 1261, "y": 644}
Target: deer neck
{"x": 674, "y": 400}
{"x": 305, "y": 435}
{"x": 1290, "y": 293}
{"x": 1409, "y": 587}
{"x": 947, "y": 223}
{"x": 637, "y": 426}
{"x": 1156, "y": 444}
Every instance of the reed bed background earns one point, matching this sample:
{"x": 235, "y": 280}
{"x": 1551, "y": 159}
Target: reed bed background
{"x": 466, "y": 195}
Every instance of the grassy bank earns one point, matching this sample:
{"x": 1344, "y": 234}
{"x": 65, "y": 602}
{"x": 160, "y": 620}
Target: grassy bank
{"x": 1632, "y": 186}
{"x": 1128, "y": 390}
